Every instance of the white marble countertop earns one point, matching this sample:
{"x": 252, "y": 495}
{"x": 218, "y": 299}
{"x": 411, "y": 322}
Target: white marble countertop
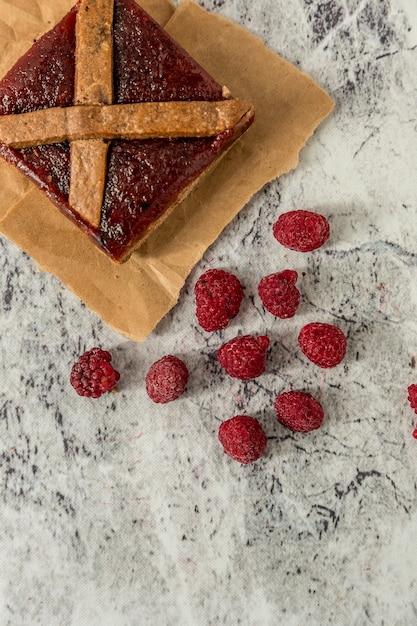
{"x": 123, "y": 512}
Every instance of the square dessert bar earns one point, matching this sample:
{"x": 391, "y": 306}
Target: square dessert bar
{"x": 114, "y": 121}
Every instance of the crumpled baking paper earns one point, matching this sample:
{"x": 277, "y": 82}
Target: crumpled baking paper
{"x": 132, "y": 298}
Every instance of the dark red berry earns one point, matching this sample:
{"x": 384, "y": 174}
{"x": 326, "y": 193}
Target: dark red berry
{"x": 242, "y": 438}
{"x": 244, "y": 357}
{"x": 92, "y": 375}
{"x": 299, "y": 411}
{"x": 279, "y": 294}
{"x": 166, "y": 379}
{"x": 303, "y": 231}
{"x": 324, "y": 344}
{"x": 218, "y": 296}
{"x": 412, "y": 397}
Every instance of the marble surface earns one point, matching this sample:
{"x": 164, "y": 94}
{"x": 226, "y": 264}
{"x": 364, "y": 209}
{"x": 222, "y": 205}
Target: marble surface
{"x": 122, "y": 512}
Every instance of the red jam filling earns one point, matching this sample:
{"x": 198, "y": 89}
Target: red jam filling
{"x": 144, "y": 177}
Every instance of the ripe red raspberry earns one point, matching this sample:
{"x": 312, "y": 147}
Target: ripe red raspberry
{"x": 303, "y": 231}
{"x": 279, "y": 294}
{"x": 299, "y": 411}
{"x": 323, "y": 344}
{"x": 218, "y": 296}
{"x": 242, "y": 438}
{"x": 412, "y": 397}
{"x": 92, "y": 375}
{"x": 166, "y": 379}
{"x": 244, "y": 357}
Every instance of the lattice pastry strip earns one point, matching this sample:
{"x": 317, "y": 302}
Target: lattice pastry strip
{"x": 93, "y": 85}
{"x": 143, "y": 120}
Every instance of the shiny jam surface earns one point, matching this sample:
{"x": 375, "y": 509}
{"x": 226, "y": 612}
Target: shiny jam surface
{"x": 144, "y": 177}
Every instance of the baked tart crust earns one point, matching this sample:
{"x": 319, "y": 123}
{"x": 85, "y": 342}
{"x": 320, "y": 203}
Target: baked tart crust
{"x": 128, "y": 127}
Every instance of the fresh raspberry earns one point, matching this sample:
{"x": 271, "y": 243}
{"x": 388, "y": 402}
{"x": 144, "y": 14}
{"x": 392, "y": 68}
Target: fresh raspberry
{"x": 92, "y": 375}
{"x": 218, "y": 296}
{"x": 323, "y": 344}
{"x": 166, "y": 379}
{"x": 412, "y": 397}
{"x": 303, "y": 231}
{"x": 244, "y": 357}
{"x": 242, "y": 438}
{"x": 298, "y": 411}
{"x": 279, "y": 294}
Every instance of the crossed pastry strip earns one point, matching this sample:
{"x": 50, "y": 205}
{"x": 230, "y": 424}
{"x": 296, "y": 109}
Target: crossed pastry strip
{"x": 93, "y": 85}
{"x": 94, "y": 119}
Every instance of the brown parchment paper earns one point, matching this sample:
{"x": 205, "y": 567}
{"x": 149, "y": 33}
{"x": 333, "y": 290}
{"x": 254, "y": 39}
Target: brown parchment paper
{"x": 133, "y": 297}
